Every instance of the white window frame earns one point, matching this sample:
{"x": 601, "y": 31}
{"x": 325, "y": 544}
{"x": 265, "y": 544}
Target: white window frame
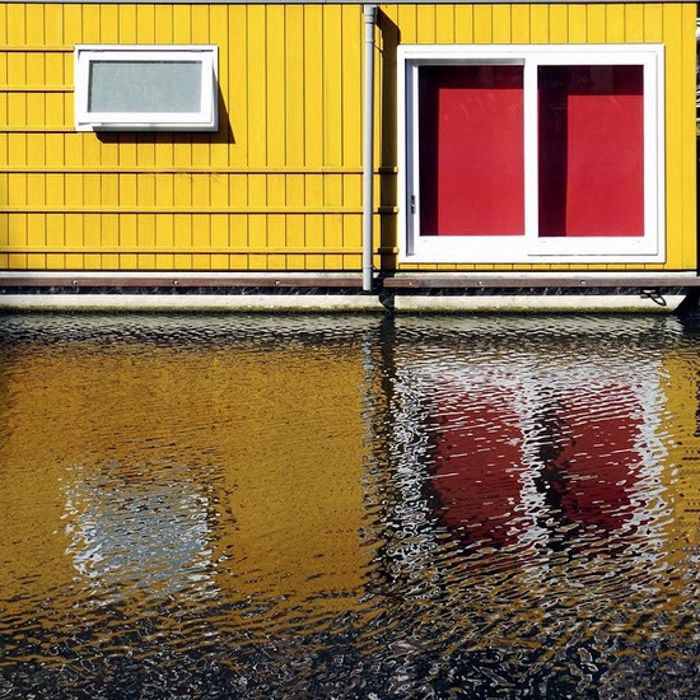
{"x": 530, "y": 247}
{"x": 206, "y": 119}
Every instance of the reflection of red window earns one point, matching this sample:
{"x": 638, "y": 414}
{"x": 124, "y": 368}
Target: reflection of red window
{"x": 478, "y": 462}
{"x": 598, "y": 459}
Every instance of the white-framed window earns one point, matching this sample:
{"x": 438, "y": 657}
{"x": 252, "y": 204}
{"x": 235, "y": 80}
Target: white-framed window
{"x": 146, "y": 88}
{"x": 531, "y": 153}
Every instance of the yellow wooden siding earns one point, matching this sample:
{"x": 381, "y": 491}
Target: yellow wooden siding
{"x": 279, "y": 187}
{"x": 670, "y": 23}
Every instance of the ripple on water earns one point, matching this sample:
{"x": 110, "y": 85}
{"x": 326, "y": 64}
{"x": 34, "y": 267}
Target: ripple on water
{"x": 314, "y": 506}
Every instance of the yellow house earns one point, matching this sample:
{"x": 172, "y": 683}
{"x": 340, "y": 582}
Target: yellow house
{"x": 211, "y": 137}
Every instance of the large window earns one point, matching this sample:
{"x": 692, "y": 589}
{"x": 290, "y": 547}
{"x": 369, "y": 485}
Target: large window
{"x": 531, "y": 153}
{"x": 146, "y": 88}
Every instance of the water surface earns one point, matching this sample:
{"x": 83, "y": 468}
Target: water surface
{"x": 260, "y": 506}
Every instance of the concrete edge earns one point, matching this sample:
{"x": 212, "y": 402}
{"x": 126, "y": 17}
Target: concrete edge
{"x": 275, "y": 303}
{"x": 189, "y": 302}
{"x": 604, "y": 303}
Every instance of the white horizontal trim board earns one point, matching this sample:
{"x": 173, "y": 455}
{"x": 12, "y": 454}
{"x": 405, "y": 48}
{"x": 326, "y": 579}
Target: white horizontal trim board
{"x": 529, "y": 247}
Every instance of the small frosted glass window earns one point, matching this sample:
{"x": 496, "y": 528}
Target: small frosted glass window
{"x": 153, "y": 87}
{"x": 145, "y": 86}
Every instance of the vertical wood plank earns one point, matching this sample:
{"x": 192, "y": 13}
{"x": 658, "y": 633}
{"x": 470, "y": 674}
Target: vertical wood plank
{"x": 445, "y": 24}
{"x": 36, "y": 238}
{"x": 276, "y": 234}
{"x": 257, "y": 70}
{"x": 539, "y": 24}
{"x": 237, "y": 102}
{"x": 182, "y": 223}
{"x": 313, "y": 71}
{"x": 165, "y": 224}
{"x": 578, "y": 24}
{"x": 520, "y": 23}
{"x": 464, "y": 23}
{"x": 257, "y": 238}
{"x": 145, "y": 23}
{"x": 294, "y": 85}
{"x": 90, "y": 26}
{"x": 219, "y": 142}
{"x": 182, "y": 232}
{"x": 425, "y": 24}
{"x": 238, "y": 226}
{"x": 91, "y": 240}
{"x": 165, "y": 239}
{"x": 333, "y": 234}
{"x": 314, "y": 223}
{"x": 653, "y": 22}
{"x": 18, "y": 237}
{"x": 634, "y": 22}
{"x": 332, "y": 59}
{"x": 408, "y": 23}
{"x": 688, "y": 131}
{"x": 34, "y": 30}
{"x": 55, "y": 237}
{"x": 16, "y": 25}
{"x": 596, "y": 24}
{"x": 672, "y": 37}
{"x": 615, "y": 21}
{"x": 295, "y": 239}
{"x": 275, "y": 114}
{"x": 559, "y": 24}
{"x": 200, "y": 35}
{"x": 483, "y": 25}
{"x": 201, "y": 240}
{"x": 351, "y": 86}
{"x": 219, "y": 239}
{"x": 501, "y": 16}
{"x": 257, "y": 222}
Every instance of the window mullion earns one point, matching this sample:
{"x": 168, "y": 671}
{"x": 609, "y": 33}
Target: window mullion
{"x": 531, "y": 143}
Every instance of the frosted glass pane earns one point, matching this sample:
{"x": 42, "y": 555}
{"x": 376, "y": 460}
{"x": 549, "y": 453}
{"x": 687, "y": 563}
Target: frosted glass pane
{"x": 145, "y": 86}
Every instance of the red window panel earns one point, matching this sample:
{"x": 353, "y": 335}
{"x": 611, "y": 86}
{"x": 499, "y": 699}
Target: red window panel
{"x": 471, "y": 150}
{"x": 591, "y": 151}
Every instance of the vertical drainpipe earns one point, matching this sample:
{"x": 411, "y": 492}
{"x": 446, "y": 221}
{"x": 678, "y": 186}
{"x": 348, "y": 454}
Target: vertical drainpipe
{"x": 370, "y": 14}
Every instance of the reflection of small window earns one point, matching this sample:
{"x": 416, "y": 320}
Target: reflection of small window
{"x": 145, "y": 88}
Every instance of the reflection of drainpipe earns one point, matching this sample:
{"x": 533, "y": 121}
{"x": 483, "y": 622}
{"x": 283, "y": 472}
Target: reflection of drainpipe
{"x": 370, "y": 14}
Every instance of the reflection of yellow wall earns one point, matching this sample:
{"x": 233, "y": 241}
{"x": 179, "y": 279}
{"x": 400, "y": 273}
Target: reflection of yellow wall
{"x": 678, "y": 431}
{"x": 281, "y": 188}
{"x": 274, "y": 434}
